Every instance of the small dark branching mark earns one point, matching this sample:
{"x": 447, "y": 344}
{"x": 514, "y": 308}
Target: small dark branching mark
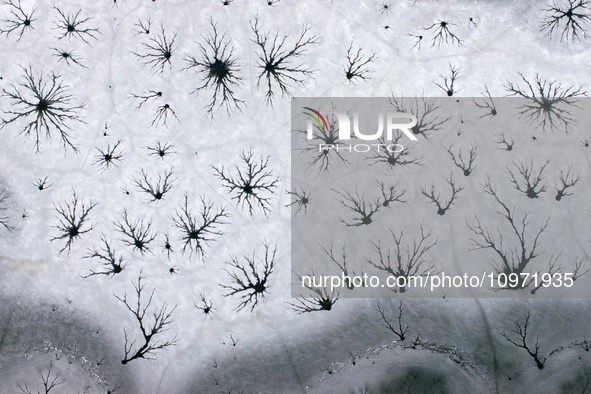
{"x": 418, "y": 40}
{"x": 341, "y": 263}
{"x": 442, "y": 34}
{"x": 300, "y": 198}
{"x": 325, "y": 157}
{"x": 554, "y": 267}
{"x": 585, "y": 344}
{"x": 204, "y": 305}
{"x": 321, "y": 299}
{"x": 111, "y": 390}
{"x": 218, "y": 67}
{"x": 567, "y": 180}
{"x": 155, "y": 189}
{"x": 173, "y": 270}
{"x": 4, "y": 220}
{"x": 167, "y": 246}
{"x": 42, "y": 184}
{"x": 232, "y": 339}
{"x": 278, "y": 60}
{"x": 150, "y": 327}
{"x": 48, "y": 103}
{"x": 158, "y": 52}
{"x": 487, "y": 104}
{"x": 353, "y": 357}
{"x": 249, "y": 281}
{"x": 363, "y": 211}
{"x": 547, "y": 102}
{"x": 393, "y": 158}
{"x": 384, "y": 9}
{"x": 19, "y": 21}
{"x": 72, "y": 219}
{"x": 197, "y": 232}
{"x": 509, "y": 261}
{"x": 405, "y": 262}
{"x": 252, "y": 184}
{"x": 435, "y": 198}
{"x": 398, "y": 329}
{"x": 518, "y": 337}
{"x": 579, "y": 271}
{"x": 507, "y": 144}
{"x": 530, "y": 181}
{"x": 109, "y": 156}
{"x": 137, "y": 233}
{"x": 71, "y": 25}
{"x": 69, "y": 57}
{"x": 357, "y": 65}
{"x": 448, "y": 81}
{"x": 571, "y": 20}
{"x": 425, "y": 110}
{"x": 48, "y": 381}
{"x": 390, "y": 193}
{"x": 111, "y": 263}
{"x": 467, "y": 166}
{"x": 161, "y": 150}
{"x": 151, "y": 95}
{"x": 143, "y": 26}
{"x": 161, "y": 115}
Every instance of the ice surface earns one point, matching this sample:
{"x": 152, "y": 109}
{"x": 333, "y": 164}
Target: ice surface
{"x": 50, "y": 316}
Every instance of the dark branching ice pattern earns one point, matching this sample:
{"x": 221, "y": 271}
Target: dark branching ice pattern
{"x": 146, "y": 196}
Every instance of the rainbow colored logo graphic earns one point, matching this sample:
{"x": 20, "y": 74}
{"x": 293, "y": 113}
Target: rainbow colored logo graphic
{"x": 391, "y": 121}
{"x": 318, "y": 118}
